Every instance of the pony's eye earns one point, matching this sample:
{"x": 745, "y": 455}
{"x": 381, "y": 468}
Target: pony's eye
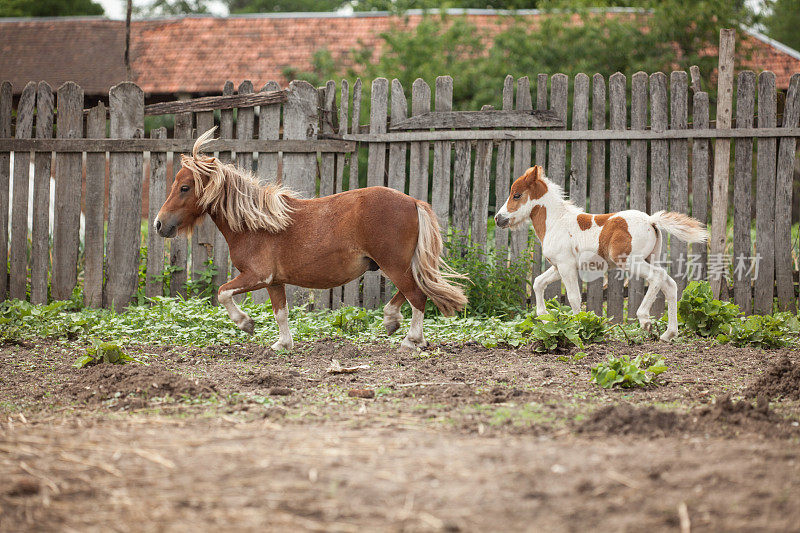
{"x": 517, "y": 196}
{"x": 185, "y": 188}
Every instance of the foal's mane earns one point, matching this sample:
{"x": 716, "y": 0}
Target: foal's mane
{"x": 236, "y": 194}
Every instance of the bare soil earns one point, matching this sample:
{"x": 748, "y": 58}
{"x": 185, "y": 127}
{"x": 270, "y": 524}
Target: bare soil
{"x": 456, "y": 438}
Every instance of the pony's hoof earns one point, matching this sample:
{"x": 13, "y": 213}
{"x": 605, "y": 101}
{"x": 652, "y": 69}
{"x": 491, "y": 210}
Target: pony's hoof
{"x": 391, "y": 327}
{"x": 408, "y": 344}
{"x": 646, "y": 325}
{"x": 248, "y": 326}
{"x": 282, "y": 346}
{"x": 669, "y": 335}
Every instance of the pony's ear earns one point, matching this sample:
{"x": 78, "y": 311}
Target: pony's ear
{"x": 532, "y": 174}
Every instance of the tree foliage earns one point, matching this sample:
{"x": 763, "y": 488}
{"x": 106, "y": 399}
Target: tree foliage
{"x": 283, "y": 6}
{"x": 782, "y": 21}
{"x": 49, "y": 8}
{"x": 161, "y": 8}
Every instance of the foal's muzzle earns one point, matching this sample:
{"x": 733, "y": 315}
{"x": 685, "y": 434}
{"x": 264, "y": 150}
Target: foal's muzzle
{"x": 501, "y": 220}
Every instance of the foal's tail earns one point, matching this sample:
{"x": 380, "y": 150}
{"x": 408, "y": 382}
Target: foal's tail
{"x": 426, "y": 264}
{"x": 682, "y": 226}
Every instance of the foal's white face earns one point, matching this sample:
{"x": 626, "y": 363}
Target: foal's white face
{"x": 526, "y": 193}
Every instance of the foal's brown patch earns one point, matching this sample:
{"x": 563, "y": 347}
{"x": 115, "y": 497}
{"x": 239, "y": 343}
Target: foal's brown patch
{"x": 602, "y": 219}
{"x": 538, "y": 218}
{"x": 584, "y": 221}
{"x": 615, "y": 240}
{"x": 529, "y": 186}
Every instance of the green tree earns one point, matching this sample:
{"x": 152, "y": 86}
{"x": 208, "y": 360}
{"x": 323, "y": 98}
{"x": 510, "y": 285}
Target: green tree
{"x": 161, "y": 8}
{"x": 49, "y": 8}
{"x": 283, "y": 6}
{"x": 782, "y": 21}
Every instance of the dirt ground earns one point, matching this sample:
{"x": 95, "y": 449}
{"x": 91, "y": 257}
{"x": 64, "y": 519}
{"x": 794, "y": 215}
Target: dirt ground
{"x": 455, "y": 438}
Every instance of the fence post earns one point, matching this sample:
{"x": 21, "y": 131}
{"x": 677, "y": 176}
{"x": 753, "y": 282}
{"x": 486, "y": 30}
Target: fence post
{"x": 94, "y": 234}
{"x": 221, "y": 254}
{"x": 40, "y": 237}
{"x": 352, "y": 289}
{"x": 66, "y": 219}
{"x": 327, "y": 168}
{"x": 638, "y": 175}
{"x": 126, "y": 103}
{"x": 597, "y": 183}
{"x": 743, "y": 191}
{"x": 783, "y": 200}
{"x": 440, "y": 199}
{"x": 765, "y": 197}
{"x": 300, "y": 121}
{"x": 700, "y": 155}
{"x": 19, "y": 209}
{"x": 420, "y": 151}
{"x": 179, "y": 245}
{"x": 6, "y": 100}
{"x": 503, "y": 169}
{"x": 618, "y": 181}
{"x": 679, "y": 172}
{"x": 722, "y": 152}
{"x": 337, "y": 293}
{"x": 204, "y": 236}
{"x": 522, "y": 161}
{"x": 659, "y": 160}
{"x": 154, "y": 286}
{"x": 480, "y": 190}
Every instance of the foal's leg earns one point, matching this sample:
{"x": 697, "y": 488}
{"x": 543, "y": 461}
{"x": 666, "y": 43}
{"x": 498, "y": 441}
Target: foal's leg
{"x": 569, "y": 273}
{"x": 540, "y": 284}
{"x": 658, "y": 280}
{"x": 277, "y": 295}
{"x": 242, "y": 283}
{"x": 391, "y": 313}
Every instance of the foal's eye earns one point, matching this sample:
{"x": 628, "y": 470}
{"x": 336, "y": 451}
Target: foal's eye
{"x": 185, "y": 188}
{"x": 517, "y": 196}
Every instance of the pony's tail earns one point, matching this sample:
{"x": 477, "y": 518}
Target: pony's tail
{"x": 427, "y": 265}
{"x": 682, "y": 226}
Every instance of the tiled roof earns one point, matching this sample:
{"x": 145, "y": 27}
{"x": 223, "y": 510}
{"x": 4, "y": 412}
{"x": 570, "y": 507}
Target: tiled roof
{"x": 198, "y": 54}
{"x": 88, "y": 51}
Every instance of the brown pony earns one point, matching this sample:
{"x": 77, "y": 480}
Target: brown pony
{"x": 276, "y": 238}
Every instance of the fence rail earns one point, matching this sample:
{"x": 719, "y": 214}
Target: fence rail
{"x": 613, "y": 144}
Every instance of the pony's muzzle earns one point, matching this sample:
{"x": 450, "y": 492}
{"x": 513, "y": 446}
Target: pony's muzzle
{"x": 165, "y": 230}
{"x": 501, "y": 220}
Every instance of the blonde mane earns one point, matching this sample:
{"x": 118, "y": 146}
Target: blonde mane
{"x": 236, "y": 194}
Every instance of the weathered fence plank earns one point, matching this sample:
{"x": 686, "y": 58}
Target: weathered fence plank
{"x": 461, "y": 187}
{"x": 126, "y": 106}
{"x": 179, "y": 245}
{"x": 618, "y": 182}
{"x": 557, "y": 150}
{"x": 351, "y": 292}
{"x": 480, "y": 119}
{"x": 397, "y": 151}
{"x": 337, "y": 293}
{"x": 327, "y": 169}
{"x": 679, "y": 173}
{"x": 242, "y": 100}
{"x": 783, "y": 201}
{"x": 659, "y": 164}
{"x": 765, "y": 197}
{"x": 245, "y": 128}
{"x": 502, "y": 172}
{"x": 95, "y": 214}
{"x": 204, "y": 234}
{"x": 221, "y": 254}
{"x": 522, "y": 161}
{"x": 579, "y": 149}
{"x": 480, "y": 191}
{"x": 540, "y": 158}
{"x": 269, "y": 128}
{"x": 18, "y": 286}
{"x": 638, "y": 180}
{"x": 440, "y": 197}
{"x": 376, "y": 169}
{"x": 419, "y": 152}
{"x": 19, "y": 208}
{"x": 597, "y": 181}
{"x": 743, "y": 194}
{"x": 40, "y": 236}
{"x": 700, "y": 183}
{"x": 311, "y": 146}
{"x": 300, "y": 121}
{"x": 722, "y": 154}
{"x": 6, "y": 102}
{"x": 66, "y": 217}
{"x": 154, "y": 285}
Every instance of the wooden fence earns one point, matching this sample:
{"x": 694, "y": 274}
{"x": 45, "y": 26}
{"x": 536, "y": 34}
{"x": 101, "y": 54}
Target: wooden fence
{"x": 639, "y": 143}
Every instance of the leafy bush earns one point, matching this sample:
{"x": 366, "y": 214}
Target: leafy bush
{"x": 103, "y": 352}
{"x": 559, "y": 328}
{"x": 704, "y": 315}
{"x": 495, "y": 287}
{"x": 624, "y": 373}
{"x": 350, "y": 319}
{"x": 767, "y": 331}
{"x": 20, "y": 319}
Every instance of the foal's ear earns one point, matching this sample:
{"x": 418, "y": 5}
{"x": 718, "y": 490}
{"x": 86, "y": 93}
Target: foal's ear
{"x": 533, "y": 173}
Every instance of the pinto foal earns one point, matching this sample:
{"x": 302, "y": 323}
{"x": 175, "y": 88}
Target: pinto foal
{"x": 276, "y": 239}
{"x": 628, "y": 240}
